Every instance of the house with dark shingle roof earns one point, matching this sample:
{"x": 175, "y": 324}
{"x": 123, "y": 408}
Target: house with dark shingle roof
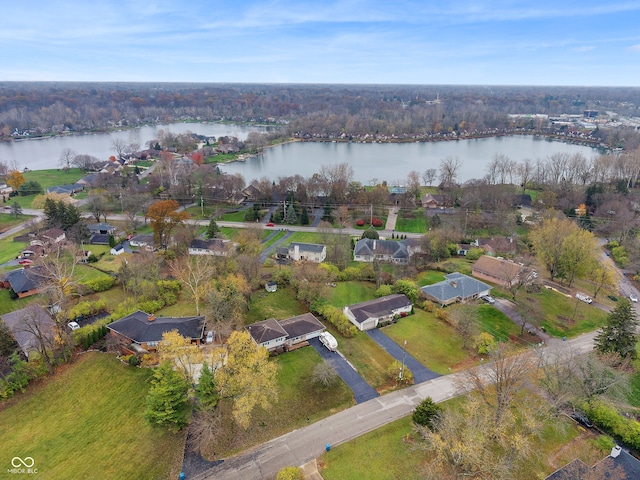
{"x": 368, "y": 250}
{"x": 23, "y": 281}
{"x": 66, "y": 189}
{"x": 619, "y": 462}
{"x": 268, "y": 334}
{"x": 99, "y": 239}
{"x": 456, "y": 287}
{"x": 143, "y": 331}
{"x": 368, "y": 315}
{"x": 27, "y": 324}
{"x": 286, "y": 334}
{"x": 101, "y": 228}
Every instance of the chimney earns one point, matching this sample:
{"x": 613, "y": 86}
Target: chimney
{"x": 454, "y": 284}
{"x": 151, "y": 318}
{"x": 374, "y": 244}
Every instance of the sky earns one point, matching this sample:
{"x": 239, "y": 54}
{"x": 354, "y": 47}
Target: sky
{"x": 465, "y": 42}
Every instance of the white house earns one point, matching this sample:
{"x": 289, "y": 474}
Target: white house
{"x": 368, "y": 250}
{"x": 286, "y": 334}
{"x": 117, "y": 250}
{"x": 311, "y": 252}
{"x": 368, "y": 315}
{"x": 214, "y": 246}
{"x": 268, "y": 334}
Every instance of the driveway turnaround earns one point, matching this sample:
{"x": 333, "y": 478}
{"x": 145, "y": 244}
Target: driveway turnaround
{"x": 420, "y": 372}
{"x": 267, "y": 252}
{"x": 362, "y": 391}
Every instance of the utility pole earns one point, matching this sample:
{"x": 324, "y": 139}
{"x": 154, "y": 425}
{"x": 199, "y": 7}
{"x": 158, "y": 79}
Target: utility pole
{"x": 404, "y": 351}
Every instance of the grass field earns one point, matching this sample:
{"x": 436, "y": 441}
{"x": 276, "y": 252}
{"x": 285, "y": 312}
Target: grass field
{"x": 429, "y": 277}
{"x": 348, "y": 293}
{"x": 87, "y": 422}
{"x": 274, "y": 239}
{"x": 10, "y": 249}
{"x": 7, "y": 304}
{"x": 298, "y": 399}
{"x": 303, "y": 237}
{"x": 47, "y": 178}
{"x": 413, "y": 223}
{"x": 7, "y": 220}
{"x": 232, "y": 217}
{"x": 430, "y": 341}
{"x": 560, "y": 315}
{"x": 280, "y": 305}
{"x": 495, "y": 322}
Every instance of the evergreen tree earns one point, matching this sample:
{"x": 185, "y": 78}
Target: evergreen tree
{"x": 70, "y": 215}
{"x": 370, "y": 233}
{"x": 425, "y": 412}
{"x": 167, "y": 401}
{"x": 51, "y": 213}
{"x": 212, "y": 230}
{"x": 618, "y": 335}
{"x": 327, "y": 213}
{"x": 304, "y": 218}
{"x": 291, "y": 217}
{"x": 207, "y": 391}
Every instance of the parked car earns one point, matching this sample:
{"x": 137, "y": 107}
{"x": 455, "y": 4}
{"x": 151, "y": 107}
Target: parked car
{"x": 329, "y": 341}
{"x": 271, "y": 224}
{"x": 210, "y": 336}
{"x": 489, "y": 299}
{"x": 73, "y": 325}
{"x": 582, "y": 419}
{"x": 633, "y": 297}
{"x": 584, "y": 297}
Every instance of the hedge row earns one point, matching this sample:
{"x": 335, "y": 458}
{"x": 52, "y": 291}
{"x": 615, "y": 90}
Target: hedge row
{"x": 101, "y": 284}
{"x": 607, "y": 418}
{"x": 86, "y": 309}
{"x": 335, "y": 317}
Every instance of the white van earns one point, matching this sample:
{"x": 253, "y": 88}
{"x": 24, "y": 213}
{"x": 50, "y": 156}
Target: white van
{"x": 329, "y": 341}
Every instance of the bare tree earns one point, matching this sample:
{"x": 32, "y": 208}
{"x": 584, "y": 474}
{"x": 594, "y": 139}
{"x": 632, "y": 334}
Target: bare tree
{"x": 66, "y": 158}
{"x": 429, "y": 176}
{"x": 196, "y": 272}
{"x": 120, "y": 147}
{"x": 38, "y": 324}
{"x": 449, "y": 172}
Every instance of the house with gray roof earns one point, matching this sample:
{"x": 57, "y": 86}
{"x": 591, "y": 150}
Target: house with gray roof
{"x": 23, "y": 281}
{"x": 101, "y": 228}
{"x": 66, "y": 189}
{"x": 142, "y": 331}
{"x": 213, "y": 246}
{"x": 286, "y": 334}
{"x": 368, "y": 315}
{"x": 368, "y": 250}
{"x": 311, "y": 252}
{"x": 456, "y": 287}
{"x": 30, "y": 327}
{"x": 618, "y": 464}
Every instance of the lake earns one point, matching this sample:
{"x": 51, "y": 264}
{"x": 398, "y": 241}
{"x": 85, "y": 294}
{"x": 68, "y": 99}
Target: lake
{"x": 393, "y": 161}
{"x": 42, "y": 154}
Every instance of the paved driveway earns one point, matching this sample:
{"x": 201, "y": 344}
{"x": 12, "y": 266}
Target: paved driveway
{"x": 420, "y": 372}
{"x": 362, "y": 391}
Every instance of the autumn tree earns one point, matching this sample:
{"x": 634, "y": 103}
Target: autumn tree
{"x": 618, "y": 334}
{"x": 168, "y": 402}
{"x": 248, "y": 379}
{"x": 164, "y": 217}
{"x": 195, "y": 272}
{"x": 463, "y": 318}
{"x": 179, "y": 351}
{"x": 602, "y": 276}
{"x": 14, "y": 179}
{"x": 227, "y": 303}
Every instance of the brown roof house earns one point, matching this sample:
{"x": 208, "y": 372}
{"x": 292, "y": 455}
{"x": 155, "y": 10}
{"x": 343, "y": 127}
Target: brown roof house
{"x": 434, "y": 200}
{"x": 285, "y": 334}
{"x": 497, "y": 245}
{"x": 496, "y": 270}
{"x": 368, "y": 315}
{"x": 142, "y": 332}
{"x": 32, "y": 327}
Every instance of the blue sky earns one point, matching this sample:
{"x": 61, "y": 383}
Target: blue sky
{"x": 485, "y": 42}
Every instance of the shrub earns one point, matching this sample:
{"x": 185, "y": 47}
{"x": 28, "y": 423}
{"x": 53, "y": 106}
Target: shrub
{"x": 101, "y": 284}
{"x": 620, "y": 256}
{"x": 441, "y": 314}
{"x": 150, "y": 306}
{"x": 393, "y": 373}
{"x": 282, "y": 278}
{"x": 133, "y": 360}
{"x": 485, "y": 342}
{"x": 384, "y": 290}
{"x": 474, "y": 253}
{"x": 376, "y": 222}
{"x": 360, "y": 222}
{"x": 335, "y": 317}
{"x": 425, "y": 412}
{"x": 290, "y": 473}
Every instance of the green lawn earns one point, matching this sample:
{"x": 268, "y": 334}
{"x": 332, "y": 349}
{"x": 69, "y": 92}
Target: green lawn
{"x": 232, "y": 216}
{"x": 303, "y": 237}
{"x": 10, "y": 249}
{"x": 381, "y": 454}
{"x": 429, "y": 277}
{"x": 430, "y": 341}
{"x": 348, "y": 293}
{"x": 560, "y": 315}
{"x": 280, "y": 305}
{"x": 492, "y": 320}
{"x": 85, "y": 273}
{"x": 47, "y": 178}
{"x": 87, "y": 422}
{"x": 412, "y": 222}
{"x": 298, "y": 399}
{"x": 8, "y": 221}
{"x": 274, "y": 239}
{"x": 7, "y": 304}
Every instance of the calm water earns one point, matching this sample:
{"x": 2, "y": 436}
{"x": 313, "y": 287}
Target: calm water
{"x": 393, "y": 161}
{"x": 45, "y": 153}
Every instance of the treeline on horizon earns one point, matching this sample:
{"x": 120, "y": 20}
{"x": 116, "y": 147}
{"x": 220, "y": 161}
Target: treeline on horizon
{"x": 56, "y": 107}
